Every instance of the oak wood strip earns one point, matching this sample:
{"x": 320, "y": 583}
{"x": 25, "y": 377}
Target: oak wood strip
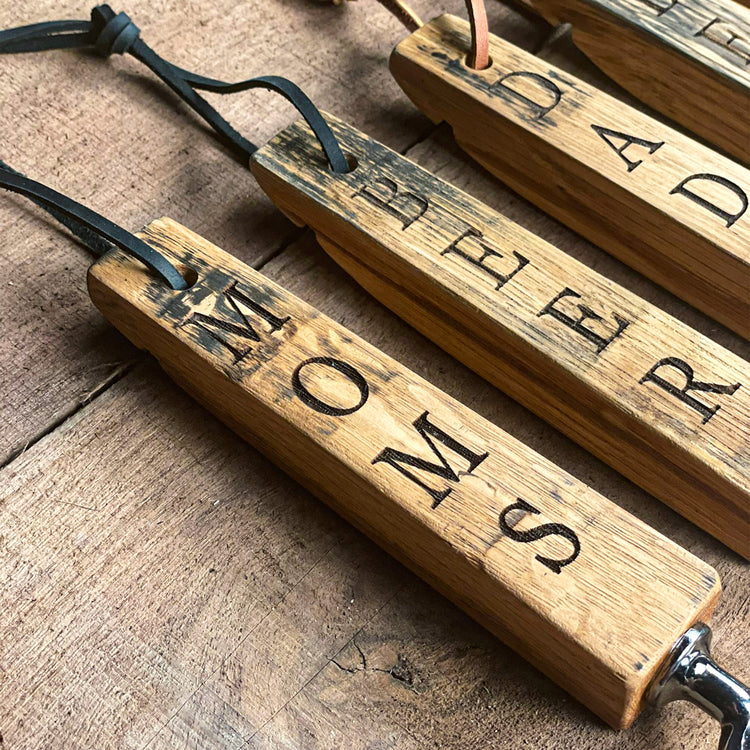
{"x": 490, "y": 299}
{"x": 449, "y": 534}
{"x": 471, "y": 687}
{"x": 689, "y": 60}
{"x": 443, "y": 157}
{"x": 632, "y": 203}
{"x": 104, "y": 132}
{"x": 472, "y": 691}
{"x": 115, "y": 444}
{"x": 114, "y": 618}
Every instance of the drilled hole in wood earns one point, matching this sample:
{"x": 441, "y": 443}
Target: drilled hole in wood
{"x": 468, "y": 64}
{"x": 351, "y": 162}
{"x": 189, "y": 274}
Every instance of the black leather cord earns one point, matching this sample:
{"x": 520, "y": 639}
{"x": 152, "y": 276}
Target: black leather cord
{"x": 96, "y": 232}
{"x": 110, "y": 33}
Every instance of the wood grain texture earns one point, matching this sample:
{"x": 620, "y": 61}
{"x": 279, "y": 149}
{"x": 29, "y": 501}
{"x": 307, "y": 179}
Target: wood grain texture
{"x": 126, "y": 589}
{"x": 163, "y": 618}
{"x": 153, "y": 461}
{"x": 689, "y": 60}
{"x": 643, "y": 200}
{"x": 330, "y": 409}
{"x": 106, "y": 133}
{"x": 512, "y": 307}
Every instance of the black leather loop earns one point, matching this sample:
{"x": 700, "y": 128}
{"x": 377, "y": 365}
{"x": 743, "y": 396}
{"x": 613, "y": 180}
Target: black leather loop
{"x": 96, "y": 232}
{"x": 110, "y": 33}
{"x": 43, "y": 36}
{"x": 117, "y": 35}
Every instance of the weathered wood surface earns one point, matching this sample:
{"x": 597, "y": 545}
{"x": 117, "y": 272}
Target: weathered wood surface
{"x": 689, "y": 59}
{"x": 224, "y": 603}
{"x": 663, "y": 203}
{"x": 135, "y": 640}
{"x": 206, "y": 600}
{"x": 594, "y": 360}
{"x": 105, "y": 132}
{"x": 455, "y": 498}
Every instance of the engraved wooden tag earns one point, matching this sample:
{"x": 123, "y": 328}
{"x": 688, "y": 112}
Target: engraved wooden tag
{"x": 664, "y": 204}
{"x": 689, "y": 59}
{"x": 665, "y": 406}
{"x": 585, "y": 591}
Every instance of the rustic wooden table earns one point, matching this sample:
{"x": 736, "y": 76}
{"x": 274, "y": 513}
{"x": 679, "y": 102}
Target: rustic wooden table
{"x": 165, "y": 586}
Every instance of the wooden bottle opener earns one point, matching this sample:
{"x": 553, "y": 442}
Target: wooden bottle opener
{"x": 689, "y": 59}
{"x": 669, "y": 414}
{"x": 595, "y": 598}
{"x": 659, "y": 201}
{"x": 665, "y": 406}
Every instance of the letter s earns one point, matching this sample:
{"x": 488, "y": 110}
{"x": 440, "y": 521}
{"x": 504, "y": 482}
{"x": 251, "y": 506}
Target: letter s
{"x": 532, "y": 535}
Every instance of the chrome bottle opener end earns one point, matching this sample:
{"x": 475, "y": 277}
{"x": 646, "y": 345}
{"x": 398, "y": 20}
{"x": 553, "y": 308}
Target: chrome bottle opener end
{"x": 691, "y": 674}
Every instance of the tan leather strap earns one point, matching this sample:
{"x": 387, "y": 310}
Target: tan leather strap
{"x": 479, "y": 57}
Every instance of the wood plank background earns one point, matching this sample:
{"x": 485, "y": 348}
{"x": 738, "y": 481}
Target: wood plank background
{"x": 164, "y": 586}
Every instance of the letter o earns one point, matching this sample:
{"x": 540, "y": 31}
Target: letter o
{"x": 315, "y": 403}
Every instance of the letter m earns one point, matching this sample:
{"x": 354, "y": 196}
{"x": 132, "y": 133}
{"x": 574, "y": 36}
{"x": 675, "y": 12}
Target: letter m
{"x": 442, "y": 468}
{"x": 234, "y": 330}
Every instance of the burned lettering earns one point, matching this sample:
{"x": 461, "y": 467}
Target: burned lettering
{"x": 405, "y": 205}
{"x": 430, "y": 433}
{"x": 485, "y": 258}
{"x": 584, "y": 313}
{"x": 683, "y": 394}
{"x": 348, "y": 371}
{"x": 610, "y": 137}
{"x": 728, "y": 216}
{"x": 548, "y": 93}
{"x": 540, "y": 532}
{"x": 234, "y": 326}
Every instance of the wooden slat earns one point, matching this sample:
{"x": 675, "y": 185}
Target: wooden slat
{"x": 126, "y": 584}
{"x": 104, "y": 132}
{"x": 361, "y": 431}
{"x": 402, "y": 233}
{"x": 629, "y": 183}
{"x": 689, "y": 59}
{"x": 155, "y": 462}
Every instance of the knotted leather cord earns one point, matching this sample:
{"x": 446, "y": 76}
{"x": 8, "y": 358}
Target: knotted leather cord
{"x": 479, "y": 54}
{"x": 110, "y": 33}
{"x": 96, "y": 232}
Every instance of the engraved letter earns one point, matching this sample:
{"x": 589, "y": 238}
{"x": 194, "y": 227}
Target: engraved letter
{"x": 683, "y": 394}
{"x": 399, "y": 460}
{"x": 661, "y": 6}
{"x": 712, "y": 207}
{"x": 606, "y": 134}
{"x": 546, "y": 529}
{"x": 389, "y": 199}
{"x": 314, "y": 402}
{"x": 586, "y": 314}
{"x": 723, "y": 34}
{"x": 538, "y": 108}
{"x": 487, "y": 255}
{"x": 240, "y": 327}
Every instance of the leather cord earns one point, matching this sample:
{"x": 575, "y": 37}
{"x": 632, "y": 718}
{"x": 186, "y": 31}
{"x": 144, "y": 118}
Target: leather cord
{"x": 403, "y": 12}
{"x": 96, "y": 232}
{"x": 479, "y": 54}
{"x": 114, "y": 33}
